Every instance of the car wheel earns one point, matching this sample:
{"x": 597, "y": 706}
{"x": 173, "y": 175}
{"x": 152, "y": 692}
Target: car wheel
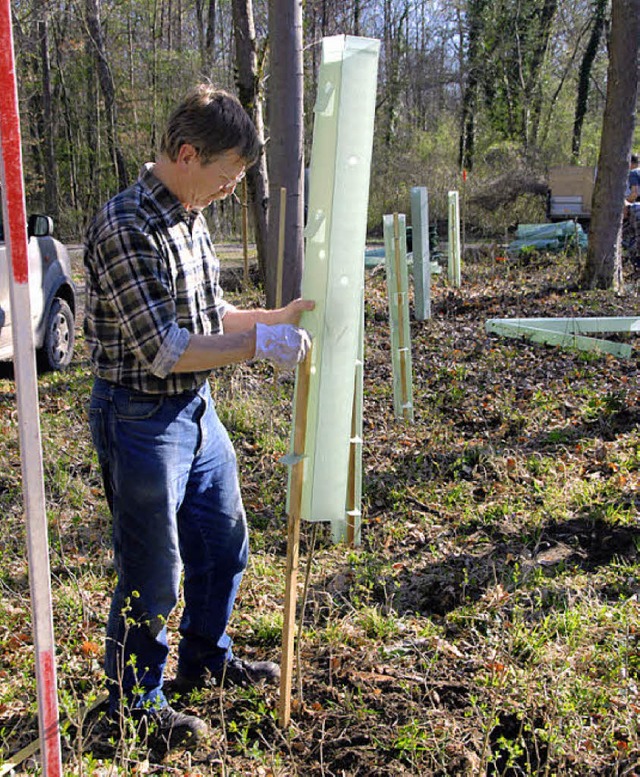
{"x": 59, "y": 337}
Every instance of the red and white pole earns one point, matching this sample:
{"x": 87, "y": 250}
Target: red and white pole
{"x": 15, "y": 230}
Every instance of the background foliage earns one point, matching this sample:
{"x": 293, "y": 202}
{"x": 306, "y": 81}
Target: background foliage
{"x": 489, "y": 85}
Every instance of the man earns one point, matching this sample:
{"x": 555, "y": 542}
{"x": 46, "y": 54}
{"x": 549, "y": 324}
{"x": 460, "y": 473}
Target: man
{"x": 634, "y": 178}
{"x": 156, "y": 325}
{"x": 631, "y": 222}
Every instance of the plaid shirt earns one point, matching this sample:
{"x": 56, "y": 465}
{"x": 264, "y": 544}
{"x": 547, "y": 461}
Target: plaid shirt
{"x": 152, "y": 279}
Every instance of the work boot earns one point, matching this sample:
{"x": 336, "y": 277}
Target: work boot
{"x": 165, "y": 729}
{"x": 169, "y": 728}
{"x": 234, "y": 672}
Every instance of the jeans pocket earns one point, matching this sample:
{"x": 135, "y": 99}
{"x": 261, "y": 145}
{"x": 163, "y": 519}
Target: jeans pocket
{"x": 132, "y": 406}
{"x": 98, "y": 432}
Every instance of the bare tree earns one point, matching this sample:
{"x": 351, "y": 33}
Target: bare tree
{"x": 248, "y": 83}
{"x": 475, "y": 10}
{"x": 584, "y": 78}
{"x": 206, "y": 31}
{"x": 603, "y": 268}
{"x": 48, "y": 119}
{"x": 108, "y": 88}
{"x": 285, "y": 145}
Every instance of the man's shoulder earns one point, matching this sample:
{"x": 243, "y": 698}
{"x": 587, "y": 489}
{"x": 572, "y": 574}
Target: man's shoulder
{"x": 634, "y": 177}
{"x": 131, "y": 209}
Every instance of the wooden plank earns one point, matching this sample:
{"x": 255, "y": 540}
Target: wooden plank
{"x": 245, "y": 231}
{"x": 293, "y": 540}
{"x": 281, "y": 237}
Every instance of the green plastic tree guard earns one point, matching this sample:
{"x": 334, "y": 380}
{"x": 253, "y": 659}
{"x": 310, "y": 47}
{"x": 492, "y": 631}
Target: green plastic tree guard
{"x": 454, "y": 240}
{"x": 569, "y": 332}
{"x": 395, "y": 244}
{"x": 334, "y": 270}
{"x": 421, "y": 257}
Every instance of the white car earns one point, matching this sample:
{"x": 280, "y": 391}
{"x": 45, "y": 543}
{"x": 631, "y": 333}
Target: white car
{"x": 52, "y": 294}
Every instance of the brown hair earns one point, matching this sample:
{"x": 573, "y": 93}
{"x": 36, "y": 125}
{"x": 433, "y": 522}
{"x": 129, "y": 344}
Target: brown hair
{"x": 212, "y": 121}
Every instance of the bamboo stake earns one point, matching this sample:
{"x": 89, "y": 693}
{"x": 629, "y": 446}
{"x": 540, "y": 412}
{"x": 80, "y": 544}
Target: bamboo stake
{"x": 351, "y": 480}
{"x": 245, "y": 231}
{"x": 281, "y": 229}
{"x": 293, "y": 540}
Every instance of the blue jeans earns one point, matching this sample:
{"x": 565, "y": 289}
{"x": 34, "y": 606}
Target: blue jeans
{"x": 171, "y": 481}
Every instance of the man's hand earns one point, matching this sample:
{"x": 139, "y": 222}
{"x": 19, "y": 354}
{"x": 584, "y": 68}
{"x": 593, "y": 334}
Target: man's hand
{"x": 291, "y": 313}
{"x": 283, "y": 344}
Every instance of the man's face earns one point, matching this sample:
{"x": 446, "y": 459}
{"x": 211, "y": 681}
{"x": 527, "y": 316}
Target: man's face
{"x": 215, "y": 180}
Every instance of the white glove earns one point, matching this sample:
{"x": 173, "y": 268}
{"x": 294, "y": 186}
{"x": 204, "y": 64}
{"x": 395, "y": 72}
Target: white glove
{"x": 283, "y": 344}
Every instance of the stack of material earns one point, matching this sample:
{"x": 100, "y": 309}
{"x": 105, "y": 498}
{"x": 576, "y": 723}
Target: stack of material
{"x": 548, "y": 237}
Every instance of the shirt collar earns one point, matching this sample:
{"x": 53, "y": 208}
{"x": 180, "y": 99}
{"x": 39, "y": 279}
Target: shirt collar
{"x": 171, "y": 207}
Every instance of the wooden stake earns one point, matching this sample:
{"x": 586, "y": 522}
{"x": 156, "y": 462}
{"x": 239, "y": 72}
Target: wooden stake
{"x": 293, "y": 540}
{"x": 351, "y": 478}
{"x": 281, "y": 230}
{"x": 245, "y": 231}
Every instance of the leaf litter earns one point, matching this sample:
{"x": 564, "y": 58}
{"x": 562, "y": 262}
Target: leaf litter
{"x": 489, "y": 622}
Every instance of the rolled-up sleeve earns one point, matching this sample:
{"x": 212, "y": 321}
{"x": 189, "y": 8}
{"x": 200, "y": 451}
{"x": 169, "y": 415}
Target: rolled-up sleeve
{"x": 172, "y": 348}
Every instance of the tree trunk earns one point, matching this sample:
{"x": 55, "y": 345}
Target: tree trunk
{"x": 394, "y": 45}
{"x": 249, "y": 91}
{"x": 533, "y": 87}
{"x": 285, "y": 148}
{"x": 206, "y": 32}
{"x": 69, "y": 123}
{"x": 210, "y": 37}
{"x": 48, "y": 125}
{"x": 475, "y": 11}
{"x": 108, "y": 90}
{"x": 356, "y": 17}
{"x": 603, "y": 269}
{"x": 156, "y": 35}
{"x": 584, "y": 79}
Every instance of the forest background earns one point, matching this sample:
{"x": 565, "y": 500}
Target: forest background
{"x": 501, "y": 89}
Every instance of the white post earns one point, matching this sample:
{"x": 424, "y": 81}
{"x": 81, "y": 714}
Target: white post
{"x": 454, "y": 240}
{"x": 27, "y": 396}
{"x": 421, "y": 254}
{"x": 333, "y": 275}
